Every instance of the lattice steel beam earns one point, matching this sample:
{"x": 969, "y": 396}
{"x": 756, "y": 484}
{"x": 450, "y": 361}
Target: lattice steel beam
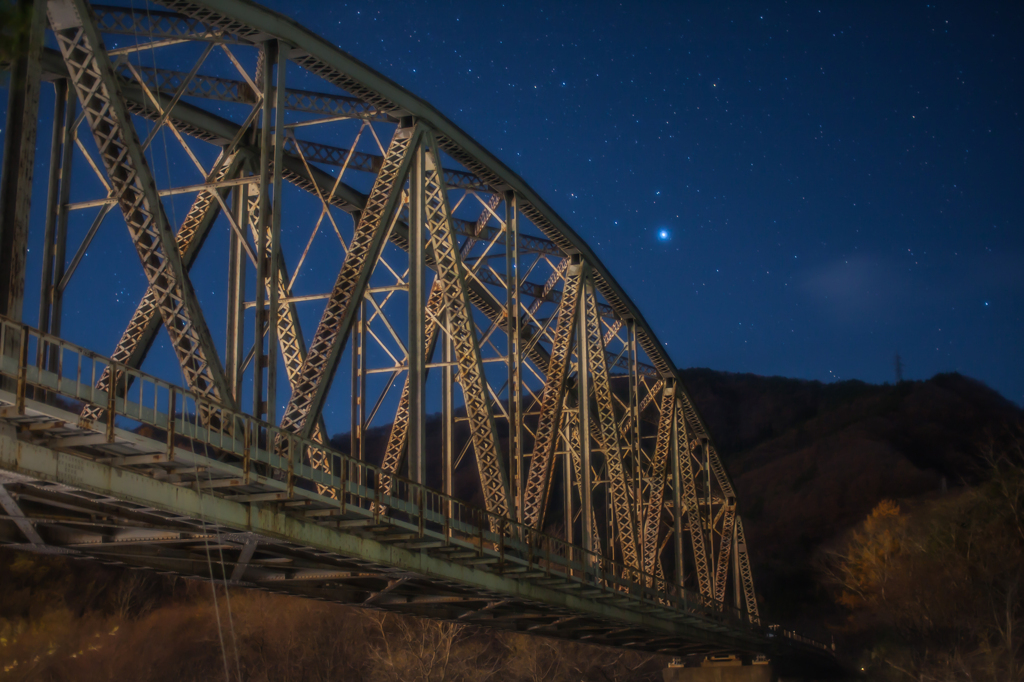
{"x": 336, "y": 323}
{"x": 156, "y": 24}
{"x": 238, "y": 91}
{"x": 552, "y": 399}
{"x": 746, "y": 576}
{"x": 398, "y": 437}
{"x": 656, "y": 496}
{"x": 19, "y": 159}
{"x": 117, "y": 140}
{"x": 728, "y": 516}
{"x": 693, "y": 517}
{"x": 573, "y": 446}
{"x": 622, "y": 504}
{"x": 371, "y": 163}
{"x": 451, "y": 272}
{"x": 724, "y": 549}
{"x": 289, "y": 331}
{"x": 145, "y": 322}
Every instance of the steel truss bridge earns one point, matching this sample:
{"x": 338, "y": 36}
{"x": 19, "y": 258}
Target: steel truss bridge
{"x": 568, "y": 488}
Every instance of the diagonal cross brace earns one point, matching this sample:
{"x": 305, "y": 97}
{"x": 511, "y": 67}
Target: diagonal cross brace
{"x": 13, "y": 509}
{"x": 398, "y": 438}
{"x": 728, "y": 518}
{"x": 656, "y": 498}
{"x": 609, "y": 433}
{"x": 746, "y": 576}
{"x": 118, "y": 142}
{"x": 451, "y": 272}
{"x": 289, "y": 333}
{"x": 689, "y": 495}
{"x": 573, "y": 423}
{"x": 332, "y": 333}
{"x": 145, "y": 322}
{"x": 724, "y": 550}
{"x": 538, "y": 481}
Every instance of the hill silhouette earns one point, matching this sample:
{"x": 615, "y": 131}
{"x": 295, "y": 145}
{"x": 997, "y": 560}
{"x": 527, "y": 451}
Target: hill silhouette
{"x": 810, "y": 460}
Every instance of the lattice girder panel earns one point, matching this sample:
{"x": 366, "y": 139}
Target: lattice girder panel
{"x": 96, "y": 85}
{"x": 552, "y": 399}
{"x": 572, "y": 445}
{"x": 339, "y": 313}
{"x": 145, "y": 322}
{"x": 451, "y": 273}
{"x": 656, "y": 497}
{"x": 608, "y": 434}
{"x": 746, "y": 576}
{"x": 398, "y": 437}
{"x": 693, "y": 507}
{"x": 290, "y": 341}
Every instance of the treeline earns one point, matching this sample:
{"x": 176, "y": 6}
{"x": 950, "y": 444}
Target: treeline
{"x": 72, "y": 620}
{"x": 936, "y": 591}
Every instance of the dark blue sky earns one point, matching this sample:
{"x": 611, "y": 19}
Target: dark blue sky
{"x": 836, "y": 181}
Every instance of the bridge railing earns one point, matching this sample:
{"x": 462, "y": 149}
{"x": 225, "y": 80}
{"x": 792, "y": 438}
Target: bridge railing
{"x": 51, "y": 370}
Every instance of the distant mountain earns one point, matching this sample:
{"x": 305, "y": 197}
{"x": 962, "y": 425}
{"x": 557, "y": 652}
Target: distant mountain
{"x": 810, "y": 460}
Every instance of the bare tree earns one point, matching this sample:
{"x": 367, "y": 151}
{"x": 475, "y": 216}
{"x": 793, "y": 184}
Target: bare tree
{"x": 431, "y": 651}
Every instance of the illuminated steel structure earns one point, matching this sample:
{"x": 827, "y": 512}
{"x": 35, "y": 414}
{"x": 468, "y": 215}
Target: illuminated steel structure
{"x": 573, "y": 489}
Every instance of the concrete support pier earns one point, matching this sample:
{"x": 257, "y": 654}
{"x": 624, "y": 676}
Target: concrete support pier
{"x": 730, "y": 670}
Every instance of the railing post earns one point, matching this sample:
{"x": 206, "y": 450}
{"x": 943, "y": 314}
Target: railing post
{"x": 172, "y": 400}
{"x": 547, "y": 553}
{"x": 342, "y": 488}
{"x": 291, "y": 466}
{"x": 421, "y": 493}
{"x": 480, "y": 529}
{"x": 22, "y": 371}
{"x": 501, "y": 543}
{"x": 111, "y": 401}
{"x": 446, "y": 512}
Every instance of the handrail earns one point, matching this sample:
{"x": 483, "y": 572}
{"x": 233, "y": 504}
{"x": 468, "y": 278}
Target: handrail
{"x": 66, "y": 369}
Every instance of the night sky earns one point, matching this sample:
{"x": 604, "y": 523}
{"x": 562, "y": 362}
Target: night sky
{"x": 799, "y": 189}
{"x": 802, "y": 190}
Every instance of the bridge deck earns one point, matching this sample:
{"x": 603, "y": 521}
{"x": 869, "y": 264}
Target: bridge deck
{"x": 177, "y": 495}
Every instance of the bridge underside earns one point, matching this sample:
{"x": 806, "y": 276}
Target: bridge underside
{"x": 69, "y": 491}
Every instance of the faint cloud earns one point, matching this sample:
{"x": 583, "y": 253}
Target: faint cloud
{"x": 859, "y": 288}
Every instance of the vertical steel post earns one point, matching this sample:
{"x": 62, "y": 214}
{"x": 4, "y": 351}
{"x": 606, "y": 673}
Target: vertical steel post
{"x": 677, "y": 503}
{"x": 513, "y": 322}
{"x": 281, "y": 57}
{"x": 61, "y": 237}
{"x": 447, "y": 408}
{"x": 364, "y": 321}
{"x": 50, "y": 224}
{"x": 567, "y": 481}
{"x": 416, "y": 345}
{"x": 583, "y": 374}
{"x": 260, "y": 404}
{"x": 353, "y": 432}
{"x": 736, "y": 580}
{"x": 19, "y": 159}
{"x": 712, "y": 554}
{"x": 634, "y": 431}
{"x": 236, "y": 296}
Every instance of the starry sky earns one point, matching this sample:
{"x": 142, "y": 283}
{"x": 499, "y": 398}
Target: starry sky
{"x": 800, "y": 189}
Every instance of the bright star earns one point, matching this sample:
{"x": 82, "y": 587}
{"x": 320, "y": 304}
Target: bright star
{"x": 663, "y": 235}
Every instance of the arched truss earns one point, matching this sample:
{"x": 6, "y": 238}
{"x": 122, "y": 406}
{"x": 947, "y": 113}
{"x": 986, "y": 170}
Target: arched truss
{"x": 385, "y": 249}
